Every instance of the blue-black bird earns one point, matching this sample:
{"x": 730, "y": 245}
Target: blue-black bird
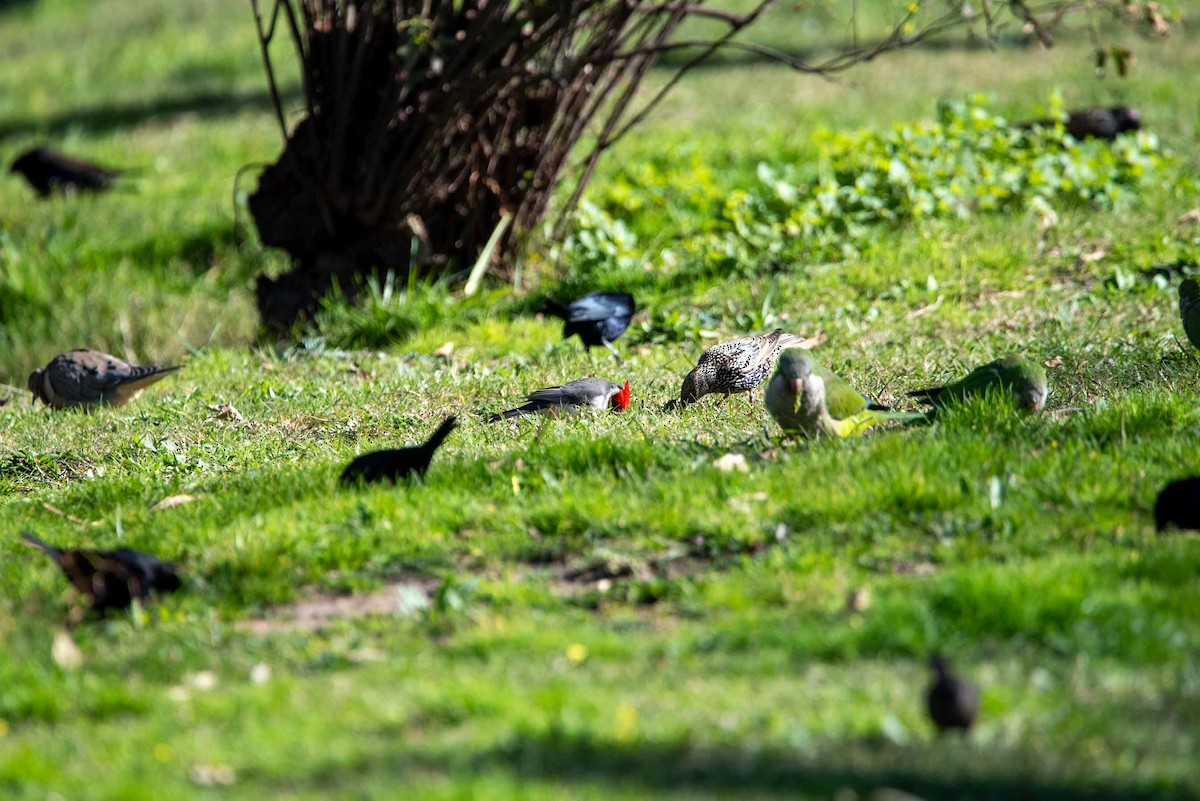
{"x": 953, "y": 702}
{"x": 1178, "y": 505}
{"x": 111, "y": 579}
{"x": 597, "y": 318}
{"x": 393, "y": 465}
{"x": 48, "y": 172}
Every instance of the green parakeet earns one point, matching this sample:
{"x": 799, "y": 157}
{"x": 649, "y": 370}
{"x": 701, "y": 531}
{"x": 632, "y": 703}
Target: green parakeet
{"x": 805, "y": 398}
{"x": 1025, "y": 380}
{"x": 1189, "y": 309}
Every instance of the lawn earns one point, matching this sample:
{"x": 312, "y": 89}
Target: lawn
{"x": 591, "y": 607}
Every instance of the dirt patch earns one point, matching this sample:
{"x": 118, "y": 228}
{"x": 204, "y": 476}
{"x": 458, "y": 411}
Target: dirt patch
{"x": 400, "y": 598}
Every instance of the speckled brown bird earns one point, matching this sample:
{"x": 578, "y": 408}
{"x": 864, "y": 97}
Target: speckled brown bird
{"x": 88, "y": 378}
{"x": 48, "y": 172}
{"x": 953, "y": 702}
{"x": 739, "y": 365}
{"x": 111, "y": 579}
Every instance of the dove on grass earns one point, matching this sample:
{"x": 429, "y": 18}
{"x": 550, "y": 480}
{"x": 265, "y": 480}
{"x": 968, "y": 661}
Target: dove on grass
{"x": 88, "y": 378}
{"x": 1023, "y": 379}
{"x": 111, "y": 579}
{"x": 806, "y": 398}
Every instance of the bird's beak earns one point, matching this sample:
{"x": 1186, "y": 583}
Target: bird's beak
{"x": 797, "y": 386}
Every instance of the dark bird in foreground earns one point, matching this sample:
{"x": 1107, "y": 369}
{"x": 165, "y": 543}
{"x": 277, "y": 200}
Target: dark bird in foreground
{"x": 597, "y": 318}
{"x": 48, "y": 172}
{"x": 570, "y": 398}
{"x": 739, "y": 365}
{"x": 393, "y": 465}
{"x": 111, "y": 579}
{"x": 89, "y": 378}
{"x": 1178, "y": 505}
{"x": 1189, "y": 310}
{"x": 953, "y": 702}
{"x": 1095, "y": 123}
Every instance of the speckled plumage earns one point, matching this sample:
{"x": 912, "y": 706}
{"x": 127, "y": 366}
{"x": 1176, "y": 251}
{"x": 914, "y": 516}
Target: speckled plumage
{"x": 739, "y": 365}
{"x": 1189, "y": 310}
{"x": 87, "y": 378}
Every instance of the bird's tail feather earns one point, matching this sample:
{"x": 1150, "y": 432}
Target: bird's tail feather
{"x": 40, "y": 544}
{"x": 930, "y": 394}
{"x": 145, "y": 376}
{"x": 555, "y": 309}
{"x": 508, "y": 414}
{"x": 443, "y": 431}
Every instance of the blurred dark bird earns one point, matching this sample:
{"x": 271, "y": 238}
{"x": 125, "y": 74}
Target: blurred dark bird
{"x": 1178, "y": 505}
{"x": 1097, "y": 123}
{"x": 111, "y": 579}
{"x": 393, "y": 465}
{"x": 953, "y": 702}
{"x": 48, "y": 172}
{"x": 597, "y": 319}
{"x": 1189, "y": 310}
{"x": 90, "y": 378}
{"x": 570, "y": 398}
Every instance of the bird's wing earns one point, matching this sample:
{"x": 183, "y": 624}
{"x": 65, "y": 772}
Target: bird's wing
{"x": 841, "y": 399}
{"x": 600, "y": 306}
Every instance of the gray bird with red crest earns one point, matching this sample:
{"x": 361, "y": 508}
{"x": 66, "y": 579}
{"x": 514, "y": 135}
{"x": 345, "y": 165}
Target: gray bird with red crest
{"x": 570, "y": 398}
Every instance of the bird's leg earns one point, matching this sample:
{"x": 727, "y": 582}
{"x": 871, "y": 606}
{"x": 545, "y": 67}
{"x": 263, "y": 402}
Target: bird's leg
{"x": 616, "y": 355}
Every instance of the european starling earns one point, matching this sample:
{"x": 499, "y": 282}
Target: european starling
{"x": 393, "y": 465}
{"x": 1023, "y": 379}
{"x": 48, "y": 172}
{"x": 953, "y": 702}
{"x": 807, "y": 398}
{"x": 111, "y": 579}
{"x": 570, "y": 398}
{"x": 1178, "y": 505}
{"x": 89, "y": 378}
{"x": 1189, "y": 310}
{"x": 597, "y": 319}
{"x": 739, "y": 365}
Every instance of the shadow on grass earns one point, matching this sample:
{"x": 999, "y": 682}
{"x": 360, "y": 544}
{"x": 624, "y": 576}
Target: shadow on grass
{"x": 115, "y": 116}
{"x": 945, "y": 770}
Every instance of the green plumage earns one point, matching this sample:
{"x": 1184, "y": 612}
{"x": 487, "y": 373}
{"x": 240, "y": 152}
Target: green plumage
{"x": 1189, "y": 310}
{"x": 807, "y": 398}
{"x": 1022, "y": 379}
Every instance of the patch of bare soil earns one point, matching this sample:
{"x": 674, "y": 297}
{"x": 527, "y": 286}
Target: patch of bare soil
{"x": 400, "y": 598}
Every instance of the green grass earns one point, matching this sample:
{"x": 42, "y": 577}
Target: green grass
{"x": 594, "y": 610}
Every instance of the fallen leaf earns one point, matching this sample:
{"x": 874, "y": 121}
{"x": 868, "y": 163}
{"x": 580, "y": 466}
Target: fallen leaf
{"x": 173, "y": 500}
{"x": 260, "y": 673}
{"x": 858, "y": 600}
{"x": 225, "y": 411}
{"x": 212, "y": 775}
{"x": 731, "y": 462}
{"x": 51, "y": 508}
{"x": 354, "y": 369}
{"x": 1190, "y": 216}
{"x": 444, "y": 351}
{"x": 1057, "y": 361}
{"x": 65, "y": 652}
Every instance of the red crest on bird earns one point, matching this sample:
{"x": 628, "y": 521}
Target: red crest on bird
{"x": 620, "y": 401}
